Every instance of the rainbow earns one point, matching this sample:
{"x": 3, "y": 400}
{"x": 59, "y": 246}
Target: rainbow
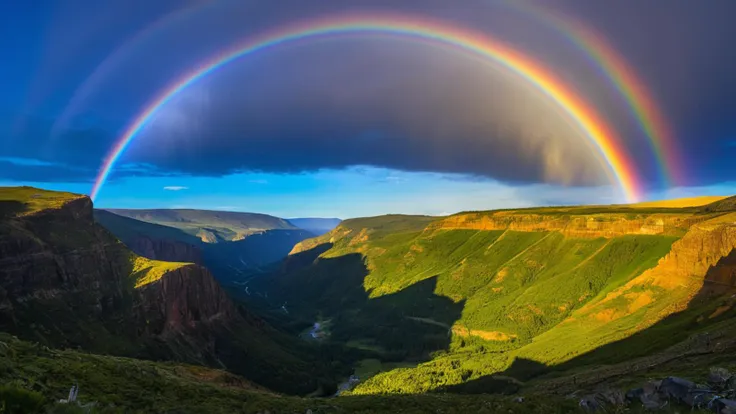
{"x": 584, "y": 116}
{"x": 625, "y": 81}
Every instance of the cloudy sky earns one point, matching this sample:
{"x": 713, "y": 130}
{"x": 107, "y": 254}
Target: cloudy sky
{"x": 362, "y": 123}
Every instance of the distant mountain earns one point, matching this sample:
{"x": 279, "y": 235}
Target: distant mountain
{"x": 210, "y": 226}
{"x": 230, "y": 244}
{"x": 317, "y": 226}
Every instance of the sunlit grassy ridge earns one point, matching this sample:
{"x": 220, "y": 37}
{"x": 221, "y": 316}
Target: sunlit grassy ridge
{"x": 680, "y": 202}
{"x": 565, "y": 281}
{"x": 29, "y": 200}
{"x": 147, "y": 271}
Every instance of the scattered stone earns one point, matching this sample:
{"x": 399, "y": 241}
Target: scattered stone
{"x": 723, "y": 406}
{"x": 519, "y": 399}
{"x": 309, "y": 411}
{"x": 719, "y": 377}
{"x": 589, "y": 404}
{"x": 651, "y": 402}
{"x": 678, "y": 389}
{"x": 634, "y": 394}
{"x": 614, "y": 397}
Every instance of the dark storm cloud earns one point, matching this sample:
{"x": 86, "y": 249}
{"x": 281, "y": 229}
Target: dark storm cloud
{"x": 74, "y": 156}
{"x": 14, "y": 171}
{"x": 390, "y": 104}
{"x": 387, "y": 103}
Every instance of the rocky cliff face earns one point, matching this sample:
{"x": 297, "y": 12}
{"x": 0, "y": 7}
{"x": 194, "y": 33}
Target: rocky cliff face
{"x": 185, "y": 298}
{"x": 66, "y": 281}
{"x": 697, "y": 275}
{"x": 573, "y": 225}
{"x": 166, "y": 250}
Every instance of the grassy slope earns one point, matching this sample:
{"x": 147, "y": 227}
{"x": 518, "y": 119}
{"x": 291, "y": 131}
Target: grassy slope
{"x": 125, "y": 385}
{"x": 513, "y": 289}
{"x": 29, "y": 200}
{"x": 680, "y": 202}
{"x": 209, "y": 225}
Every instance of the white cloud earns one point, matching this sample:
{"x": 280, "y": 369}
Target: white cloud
{"x": 175, "y": 188}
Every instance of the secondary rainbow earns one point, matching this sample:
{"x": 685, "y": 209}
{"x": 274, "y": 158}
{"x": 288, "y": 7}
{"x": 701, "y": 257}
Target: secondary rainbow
{"x": 625, "y": 81}
{"x": 600, "y": 135}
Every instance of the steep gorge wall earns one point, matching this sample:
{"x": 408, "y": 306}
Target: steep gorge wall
{"x": 166, "y": 250}
{"x": 698, "y": 273}
{"x": 65, "y": 281}
{"x": 573, "y": 225}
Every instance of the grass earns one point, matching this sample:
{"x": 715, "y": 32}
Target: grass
{"x": 508, "y": 295}
{"x": 29, "y": 200}
{"x": 680, "y": 202}
{"x": 147, "y": 271}
{"x": 125, "y": 385}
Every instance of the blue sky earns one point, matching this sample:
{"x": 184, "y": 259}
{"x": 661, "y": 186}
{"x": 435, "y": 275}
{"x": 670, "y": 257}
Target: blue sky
{"x": 352, "y": 126}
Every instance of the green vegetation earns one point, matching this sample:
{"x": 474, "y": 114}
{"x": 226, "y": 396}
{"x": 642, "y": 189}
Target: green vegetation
{"x": 29, "y": 200}
{"x": 147, "y": 271}
{"x": 409, "y": 304}
{"x": 67, "y": 282}
{"x": 124, "y": 385}
{"x": 457, "y": 305}
{"x": 18, "y": 400}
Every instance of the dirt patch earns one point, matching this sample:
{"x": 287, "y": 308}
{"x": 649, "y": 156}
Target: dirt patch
{"x": 416, "y": 248}
{"x": 361, "y": 237}
{"x": 497, "y": 289}
{"x": 605, "y": 315}
{"x": 535, "y": 310}
{"x": 719, "y": 311}
{"x": 487, "y": 335}
{"x": 501, "y": 275}
{"x": 638, "y": 300}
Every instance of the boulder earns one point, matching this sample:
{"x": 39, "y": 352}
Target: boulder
{"x": 590, "y": 404}
{"x": 724, "y": 406}
{"x": 615, "y": 397}
{"x": 678, "y": 389}
{"x": 634, "y": 394}
{"x": 718, "y": 376}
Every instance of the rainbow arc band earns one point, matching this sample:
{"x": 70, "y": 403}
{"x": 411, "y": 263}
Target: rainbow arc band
{"x": 594, "y": 127}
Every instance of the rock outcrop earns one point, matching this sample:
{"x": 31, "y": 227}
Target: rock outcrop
{"x": 573, "y": 224}
{"x": 66, "y": 281}
{"x": 166, "y": 250}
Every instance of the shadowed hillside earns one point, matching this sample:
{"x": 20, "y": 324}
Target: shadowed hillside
{"x": 207, "y": 225}
{"x": 178, "y": 238}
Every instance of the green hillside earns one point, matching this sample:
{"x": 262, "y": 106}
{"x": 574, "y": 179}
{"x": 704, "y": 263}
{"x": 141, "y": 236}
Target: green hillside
{"x": 460, "y": 298}
{"x": 207, "y": 225}
{"x": 29, "y": 200}
{"x": 125, "y": 385}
